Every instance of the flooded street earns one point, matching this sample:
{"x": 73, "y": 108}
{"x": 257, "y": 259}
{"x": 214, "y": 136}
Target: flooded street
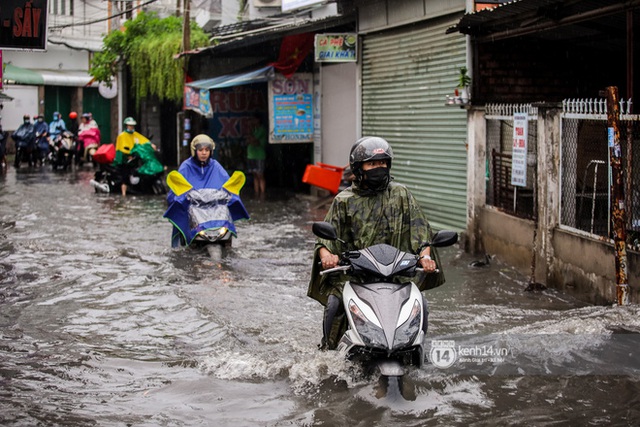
{"x": 102, "y": 323}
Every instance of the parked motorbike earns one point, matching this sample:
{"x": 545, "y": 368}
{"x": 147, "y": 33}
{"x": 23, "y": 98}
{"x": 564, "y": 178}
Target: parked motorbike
{"x": 385, "y": 318}
{"x": 62, "y": 151}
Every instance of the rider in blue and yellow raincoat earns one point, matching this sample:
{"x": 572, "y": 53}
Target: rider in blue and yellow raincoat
{"x": 201, "y": 171}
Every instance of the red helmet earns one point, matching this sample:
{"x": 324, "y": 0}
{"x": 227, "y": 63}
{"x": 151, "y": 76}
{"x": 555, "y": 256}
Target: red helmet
{"x": 73, "y": 115}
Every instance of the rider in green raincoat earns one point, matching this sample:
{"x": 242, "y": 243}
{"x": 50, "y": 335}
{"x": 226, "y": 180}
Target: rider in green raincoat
{"x": 373, "y": 210}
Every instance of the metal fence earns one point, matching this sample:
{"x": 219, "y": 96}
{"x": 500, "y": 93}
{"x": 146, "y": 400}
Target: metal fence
{"x": 585, "y": 172}
{"x": 586, "y": 176}
{"x": 515, "y": 200}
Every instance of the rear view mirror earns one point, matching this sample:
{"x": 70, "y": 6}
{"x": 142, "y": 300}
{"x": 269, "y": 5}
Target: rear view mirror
{"x": 324, "y": 230}
{"x": 444, "y": 238}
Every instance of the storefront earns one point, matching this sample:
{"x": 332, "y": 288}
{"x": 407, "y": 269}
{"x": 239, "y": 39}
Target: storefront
{"x": 280, "y": 90}
{"x": 407, "y": 72}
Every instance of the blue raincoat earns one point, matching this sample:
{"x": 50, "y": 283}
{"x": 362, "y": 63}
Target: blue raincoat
{"x": 211, "y": 175}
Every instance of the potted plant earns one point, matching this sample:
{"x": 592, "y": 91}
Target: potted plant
{"x": 464, "y": 81}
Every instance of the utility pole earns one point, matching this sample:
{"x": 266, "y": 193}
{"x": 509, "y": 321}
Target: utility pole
{"x": 618, "y": 212}
{"x": 186, "y": 28}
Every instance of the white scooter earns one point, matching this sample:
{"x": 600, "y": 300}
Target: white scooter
{"x": 385, "y": 317}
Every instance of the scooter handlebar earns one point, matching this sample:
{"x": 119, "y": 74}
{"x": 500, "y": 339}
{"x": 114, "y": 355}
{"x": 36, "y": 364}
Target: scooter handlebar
{"x": 334, "y": 269}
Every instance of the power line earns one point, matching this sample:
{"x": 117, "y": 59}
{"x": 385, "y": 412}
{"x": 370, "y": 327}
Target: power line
{"x": 55, "y": 27}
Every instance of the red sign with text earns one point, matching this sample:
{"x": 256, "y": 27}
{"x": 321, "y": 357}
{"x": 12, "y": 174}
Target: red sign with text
{"x": 23, "y": 24}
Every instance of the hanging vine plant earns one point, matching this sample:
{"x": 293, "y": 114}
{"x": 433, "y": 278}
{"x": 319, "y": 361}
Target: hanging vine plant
{"x": 147, "y": 46}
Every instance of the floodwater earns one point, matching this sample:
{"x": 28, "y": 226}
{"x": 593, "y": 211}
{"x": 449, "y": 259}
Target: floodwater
{"x": 102, "y": 323}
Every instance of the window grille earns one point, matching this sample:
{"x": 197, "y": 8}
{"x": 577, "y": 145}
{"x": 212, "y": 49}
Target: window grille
{"x": 518, "y": 201}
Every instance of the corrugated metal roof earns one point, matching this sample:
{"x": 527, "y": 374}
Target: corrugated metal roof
{"x": 235, "y": 40}
{"x": 584, "y": 21}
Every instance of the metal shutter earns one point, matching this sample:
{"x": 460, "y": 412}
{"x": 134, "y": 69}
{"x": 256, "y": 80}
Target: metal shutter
{"x": 406, "y": 75}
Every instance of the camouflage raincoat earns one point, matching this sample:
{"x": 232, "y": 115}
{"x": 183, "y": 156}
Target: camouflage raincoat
{"x": 392, "y": 216}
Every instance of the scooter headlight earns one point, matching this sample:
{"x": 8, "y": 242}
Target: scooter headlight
{"x": 407, "y": 332}
{"x": 213, "y": 236}
{"x": 371, "y": 334}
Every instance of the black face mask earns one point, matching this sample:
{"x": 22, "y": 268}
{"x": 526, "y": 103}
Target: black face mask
{"x": 376, "y": 179}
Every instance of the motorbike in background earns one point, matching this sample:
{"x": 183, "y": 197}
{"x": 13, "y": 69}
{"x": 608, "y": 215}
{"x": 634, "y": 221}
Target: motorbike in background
{"x": 109, "y": 179}
{"x": 384, "y": 312}
{"x": 3, "y": 151}
{"x": 142, "y": 173}
{"x": 62, "y": 151}
{"x": 87, "y": 144}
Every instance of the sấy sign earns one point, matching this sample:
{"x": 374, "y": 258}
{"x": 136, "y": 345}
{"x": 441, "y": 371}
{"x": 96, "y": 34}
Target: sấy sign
{"x": 23, "y": 24}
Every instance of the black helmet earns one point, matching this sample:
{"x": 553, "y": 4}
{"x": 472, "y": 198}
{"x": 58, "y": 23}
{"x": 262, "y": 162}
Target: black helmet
{"x": 366, "y": 149}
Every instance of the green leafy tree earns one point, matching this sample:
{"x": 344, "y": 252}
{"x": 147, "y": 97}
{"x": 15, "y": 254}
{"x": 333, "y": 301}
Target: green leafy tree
{"x": 147, "y": 46}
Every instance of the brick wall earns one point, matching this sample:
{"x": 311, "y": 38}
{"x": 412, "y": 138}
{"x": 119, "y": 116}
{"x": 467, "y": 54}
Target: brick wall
{"x": 529, "y": 70}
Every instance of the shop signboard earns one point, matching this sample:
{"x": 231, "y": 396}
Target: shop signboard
{"x": 336, "y": 47}
{"x": 23, "y": 24}
{"x": 291, "y": 108}
{"x": 519, "y": 153}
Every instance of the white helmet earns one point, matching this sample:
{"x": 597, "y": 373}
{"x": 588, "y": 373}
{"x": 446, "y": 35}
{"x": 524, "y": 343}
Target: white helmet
{"x": 200, "y": 141}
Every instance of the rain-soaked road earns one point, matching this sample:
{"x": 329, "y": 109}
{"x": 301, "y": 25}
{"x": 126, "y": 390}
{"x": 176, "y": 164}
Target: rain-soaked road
{"x": 101, "y": 323}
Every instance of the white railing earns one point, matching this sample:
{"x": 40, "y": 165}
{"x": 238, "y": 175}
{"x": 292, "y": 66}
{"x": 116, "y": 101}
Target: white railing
{"x": 595, "y": 108}
{"x": 506, "y": 111}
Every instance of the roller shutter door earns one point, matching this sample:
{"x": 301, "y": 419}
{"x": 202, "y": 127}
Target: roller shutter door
{"x": 406, "y": 75}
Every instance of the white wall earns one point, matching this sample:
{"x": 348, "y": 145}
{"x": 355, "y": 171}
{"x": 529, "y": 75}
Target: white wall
{"x": 25, "y": 101}
{"x": 55, "y": 58}
{"x": 339, "y": 116}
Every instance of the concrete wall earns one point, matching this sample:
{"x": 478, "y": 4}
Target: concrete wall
{"x": 384, "y": 14}
{"x": 566, "y": 259}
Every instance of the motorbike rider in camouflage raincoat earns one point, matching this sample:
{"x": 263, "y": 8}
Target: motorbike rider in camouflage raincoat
{"x": 373, "y": 210}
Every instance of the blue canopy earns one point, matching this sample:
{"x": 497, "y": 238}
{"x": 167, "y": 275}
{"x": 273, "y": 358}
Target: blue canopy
{"x": 256, "y": 76}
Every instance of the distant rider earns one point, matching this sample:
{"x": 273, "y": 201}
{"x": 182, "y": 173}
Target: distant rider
{"x": 373, "y": 210}
{"x": 42, "y": 138}
{"x": 56, "y": 127}
{"x": 88, "y": 135}
{"x": 124, "y": 144}
{"x": 25, "y": 139}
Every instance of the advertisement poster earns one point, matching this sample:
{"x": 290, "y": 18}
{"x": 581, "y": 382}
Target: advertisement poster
{"x": 197, "y": 100}
{"x": 519, "y": 154}
{"x": 291, "y": 108}
{"x": 23, "y": 24}
{"x": 236, "y": 113}
{"x": 336, "y": 47}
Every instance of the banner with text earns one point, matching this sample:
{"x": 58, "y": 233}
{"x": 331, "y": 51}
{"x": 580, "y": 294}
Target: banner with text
{"x": 291, "y": 108}
{"x": 519, "y": 153}
{"x": 336, "y": 47}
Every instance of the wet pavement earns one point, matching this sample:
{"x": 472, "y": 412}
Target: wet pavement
{"x": 102, "y": 323}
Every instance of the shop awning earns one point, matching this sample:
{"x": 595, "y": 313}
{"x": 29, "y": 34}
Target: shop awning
{"x": 21, "y": 76}
{"x": 65, "y": 78}
{"x": 24, "y": 76}
{"x": 229, "y": 80}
